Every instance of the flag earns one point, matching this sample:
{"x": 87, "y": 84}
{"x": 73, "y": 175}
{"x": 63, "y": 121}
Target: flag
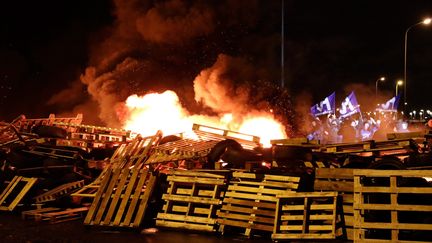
{"x": 349, "y": 106}
{"x": 324, "y": 107}
{"x": 391, "y": 105}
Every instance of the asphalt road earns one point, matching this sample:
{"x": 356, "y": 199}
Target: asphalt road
{"x": 14, "y": 229}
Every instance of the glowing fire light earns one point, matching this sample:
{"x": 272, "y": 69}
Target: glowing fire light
{"x": 264, "y": 127}
{"x": 152, "y": 112}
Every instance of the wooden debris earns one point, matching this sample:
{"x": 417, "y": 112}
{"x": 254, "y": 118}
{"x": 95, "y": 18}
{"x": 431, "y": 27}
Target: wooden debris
{"x": 250, "y": 201}
{"x": 392, "y": 206}
{"x": 310, "y": 215}
{"x": 15, "y": 192}
{"x": 191, "y": 200}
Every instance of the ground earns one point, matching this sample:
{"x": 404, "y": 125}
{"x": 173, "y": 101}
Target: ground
{"x": 14, "y": 229}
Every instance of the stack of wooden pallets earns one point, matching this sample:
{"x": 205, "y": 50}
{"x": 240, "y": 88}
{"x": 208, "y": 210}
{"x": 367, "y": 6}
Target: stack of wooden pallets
{"x": 310, "y": 215}
{"x": 392, "y": 206}
{"x": 197, "y": 145}
{"x": 250, "y": 201}
{"x": 191, "y": 200}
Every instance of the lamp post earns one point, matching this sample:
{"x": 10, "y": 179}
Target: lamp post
{"x": 398, "y": 83}
{"x": 382, "y": 79}
{"x": 425, "y": 22}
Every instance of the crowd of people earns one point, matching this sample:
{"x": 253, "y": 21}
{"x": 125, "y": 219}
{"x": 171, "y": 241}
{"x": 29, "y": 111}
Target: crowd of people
{"x": 359, "y": 127}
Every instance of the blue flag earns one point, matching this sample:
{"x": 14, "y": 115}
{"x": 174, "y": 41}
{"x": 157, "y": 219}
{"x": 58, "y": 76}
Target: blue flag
{"x": 391, "y": 105}
{"x": 324, "y": 107}
{"x": 349, "y": 106}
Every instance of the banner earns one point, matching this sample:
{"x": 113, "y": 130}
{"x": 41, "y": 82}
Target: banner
{"x": 349, "y": 106}
{"x": 324, "y": 107}
{"x": 391, "y": 105}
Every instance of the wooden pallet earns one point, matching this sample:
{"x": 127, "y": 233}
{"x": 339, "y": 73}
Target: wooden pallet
{"x": 191, "y": 200}
{"x": 59, "y": 191}
{"x": 54, "y": 215}
{"x": 211, "y": 133}
{"x": 392, "y": 206}
{"x": 131, "y": 155}
{"x": 250, "y": 201}
{"x": 15, "y": 192}
{"x": 342, "y": 181}
{"x": 121, "y": 200}
{"x": 309, "y": 215}
{"x": 185, "y": 149}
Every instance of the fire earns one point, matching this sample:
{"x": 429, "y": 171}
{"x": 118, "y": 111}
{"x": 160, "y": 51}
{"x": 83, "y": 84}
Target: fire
{"x": 153, "y": 112}
{"x": 264, "y": 127}
{"x": 163, "y": 111}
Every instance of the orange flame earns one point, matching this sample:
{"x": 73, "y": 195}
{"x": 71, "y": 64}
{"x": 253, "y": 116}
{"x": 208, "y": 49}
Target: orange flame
{"x": 154, "y": 111}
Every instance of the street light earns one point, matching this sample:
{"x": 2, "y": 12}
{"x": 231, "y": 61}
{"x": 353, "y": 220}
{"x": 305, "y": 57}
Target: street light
{"x": 382, "y": 79}
{"x": 398, "y": 83}
{"x": 425, "y": 22}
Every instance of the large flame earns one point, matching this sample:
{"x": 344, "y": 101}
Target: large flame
{"x": 149, "y": 113}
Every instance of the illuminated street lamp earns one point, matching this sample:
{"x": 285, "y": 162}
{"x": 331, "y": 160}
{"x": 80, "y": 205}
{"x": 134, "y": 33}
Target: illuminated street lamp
{"x": 398, "y": 83}
{"x": 382, "y": 79}
{"x": 424, "y": 22}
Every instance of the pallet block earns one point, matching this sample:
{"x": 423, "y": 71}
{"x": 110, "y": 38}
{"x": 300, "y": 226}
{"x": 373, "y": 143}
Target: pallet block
{"x": 15, "y": 192}
{"x": 309, "y": 215}
{"x": 342, "y": 181}
{"x": 59, "y": 191}
{"x": 191, "y": 200}
{"x": 54, "y": 215}
{"x": 121, "y": 200}
{"x": 250, "y": 201}
{"x": 392, "y": 206}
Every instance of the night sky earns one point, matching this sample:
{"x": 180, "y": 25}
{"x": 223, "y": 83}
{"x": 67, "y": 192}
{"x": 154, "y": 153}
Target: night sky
{"x": 47, "y": 46}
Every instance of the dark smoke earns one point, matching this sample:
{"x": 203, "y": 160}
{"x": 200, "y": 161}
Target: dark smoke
{"x": 159, "y": 45}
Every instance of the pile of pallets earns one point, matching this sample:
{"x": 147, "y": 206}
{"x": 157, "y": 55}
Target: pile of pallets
{"x": 196, "y": 146}
{"x": 191, "y": 200}
{"x": 392, "y": 206}
{"x": 87, "y": 136}
{"x": 250, "y": 201}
